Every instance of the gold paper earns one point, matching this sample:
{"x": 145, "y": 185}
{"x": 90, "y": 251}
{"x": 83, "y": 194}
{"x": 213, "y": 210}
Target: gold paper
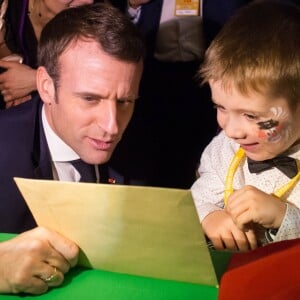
{"x": 143, "y": 231}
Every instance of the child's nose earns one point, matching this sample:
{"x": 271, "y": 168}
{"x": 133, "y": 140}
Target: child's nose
{"x": 234, "y": 129}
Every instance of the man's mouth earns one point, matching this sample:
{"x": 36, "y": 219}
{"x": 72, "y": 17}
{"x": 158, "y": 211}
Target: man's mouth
{"x": 101, "y": 145}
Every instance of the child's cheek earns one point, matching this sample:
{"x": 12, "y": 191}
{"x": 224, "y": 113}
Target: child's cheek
{"x": 274, "y": 134}
{"x": 262, "y": 134}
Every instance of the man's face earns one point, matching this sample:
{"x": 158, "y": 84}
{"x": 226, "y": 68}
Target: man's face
{"x": 264, "y": 128}
{"x": 94, "y": 100}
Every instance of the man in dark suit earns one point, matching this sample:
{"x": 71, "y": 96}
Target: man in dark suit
{"x": 88, "y": 85}
{"x": 214, "y": 13}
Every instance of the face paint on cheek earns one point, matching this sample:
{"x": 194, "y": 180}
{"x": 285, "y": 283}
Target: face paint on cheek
{"x": 279, "y": 113}
{"x": 267, "y": 124}
{"x": 267, "y": 129}
{"x": 272, "y": 130}
{"x": 262, "y": 135}
{"x": 273, "y": 134}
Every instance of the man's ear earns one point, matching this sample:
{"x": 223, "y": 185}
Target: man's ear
{"x": 45, "y": 86}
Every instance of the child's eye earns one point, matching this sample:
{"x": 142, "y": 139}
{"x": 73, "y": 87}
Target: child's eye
{"x": 219, "y": 107}
{"x": 250, "y": 116}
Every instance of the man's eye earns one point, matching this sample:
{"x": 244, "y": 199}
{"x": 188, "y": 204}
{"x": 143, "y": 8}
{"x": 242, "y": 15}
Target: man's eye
{"x": 124, "y": 102}
{"x": 88, "y": 98}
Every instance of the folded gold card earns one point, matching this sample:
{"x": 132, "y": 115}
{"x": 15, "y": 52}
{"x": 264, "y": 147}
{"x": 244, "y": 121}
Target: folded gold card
{"x": 145, "y": 231}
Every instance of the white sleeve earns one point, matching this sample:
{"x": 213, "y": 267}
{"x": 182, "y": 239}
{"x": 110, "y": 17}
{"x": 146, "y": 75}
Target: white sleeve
{"x": 290, "y": 227}
{"x": 208, "y": 189}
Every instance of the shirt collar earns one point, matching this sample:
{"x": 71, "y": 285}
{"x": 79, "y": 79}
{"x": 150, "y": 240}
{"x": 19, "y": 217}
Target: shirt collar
{"x": 59, "y": 150}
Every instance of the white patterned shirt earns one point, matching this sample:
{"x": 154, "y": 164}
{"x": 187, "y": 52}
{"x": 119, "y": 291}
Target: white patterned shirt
{"x": 208, "y": 189}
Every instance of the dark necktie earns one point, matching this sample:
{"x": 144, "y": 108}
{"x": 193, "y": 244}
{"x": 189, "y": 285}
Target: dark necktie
{"x": 285, "y": 164}
{"x": 86, "y": 171}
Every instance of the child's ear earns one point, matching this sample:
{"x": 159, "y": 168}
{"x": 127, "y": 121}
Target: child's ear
{"x": 45, "y": 86}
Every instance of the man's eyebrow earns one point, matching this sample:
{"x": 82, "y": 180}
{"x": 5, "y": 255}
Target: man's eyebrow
{"x": 87, "y": 93}
{"x": 103, "y": 96}
{"x": 130, "y": 98}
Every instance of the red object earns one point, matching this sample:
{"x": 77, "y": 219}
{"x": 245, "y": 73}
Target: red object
{"x": 111, "y": 180}
{"x": 271, "y": 272}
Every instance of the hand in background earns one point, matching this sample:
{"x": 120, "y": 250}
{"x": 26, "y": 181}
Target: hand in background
{"x": 251, "y": 205}
{"x": 17, "y": 101}
{"x": 224, "y": 234}
{"x": 18, "y": 81}
{"x": 27, "y": 260}
{"x": 137, "y": 3}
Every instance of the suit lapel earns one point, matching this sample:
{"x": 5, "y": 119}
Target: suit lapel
{"x": 109, "y": 175}
{"x": 41, "y": 154}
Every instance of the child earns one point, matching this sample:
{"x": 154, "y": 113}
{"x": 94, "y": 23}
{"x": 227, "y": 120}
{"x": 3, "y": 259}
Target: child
{"x": 253, "y": 69}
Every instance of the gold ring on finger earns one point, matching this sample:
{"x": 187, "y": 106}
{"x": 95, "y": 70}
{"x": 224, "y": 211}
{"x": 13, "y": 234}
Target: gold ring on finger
{"x": 53, "y": 277}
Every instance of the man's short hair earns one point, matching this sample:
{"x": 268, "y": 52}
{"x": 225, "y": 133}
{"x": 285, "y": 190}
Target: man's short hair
{"x": 101, "y": 22}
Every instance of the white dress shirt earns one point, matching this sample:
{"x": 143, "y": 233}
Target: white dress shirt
{"x": 208, "y": 189}
{"x": 61, "y": 155}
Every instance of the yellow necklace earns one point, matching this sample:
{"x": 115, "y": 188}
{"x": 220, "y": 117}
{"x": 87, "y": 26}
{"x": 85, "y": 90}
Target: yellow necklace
{"x": 239, "y": 155}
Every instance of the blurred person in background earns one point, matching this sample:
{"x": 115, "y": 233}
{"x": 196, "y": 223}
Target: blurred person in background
{"x": 21, "y": 23}
{"x": 174, "y": 118}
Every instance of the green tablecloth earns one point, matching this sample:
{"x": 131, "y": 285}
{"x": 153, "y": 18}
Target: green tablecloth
{"x": 88, "y": 284}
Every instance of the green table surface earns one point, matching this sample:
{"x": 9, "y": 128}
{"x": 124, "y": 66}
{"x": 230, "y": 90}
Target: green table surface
{"x": 88, "y": 284}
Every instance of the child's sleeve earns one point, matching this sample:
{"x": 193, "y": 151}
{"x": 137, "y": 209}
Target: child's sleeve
{"x": 208, "y": 189}
{"x": 290, "y": 227}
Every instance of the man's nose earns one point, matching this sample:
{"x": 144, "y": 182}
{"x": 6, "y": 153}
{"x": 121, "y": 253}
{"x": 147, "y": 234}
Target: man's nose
{"x": 108, "y": 117}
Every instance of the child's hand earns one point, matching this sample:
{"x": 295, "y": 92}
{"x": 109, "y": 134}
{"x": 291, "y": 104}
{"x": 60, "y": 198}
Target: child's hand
{"x": 224, "y": 234}
{"x": 251, "y": 205}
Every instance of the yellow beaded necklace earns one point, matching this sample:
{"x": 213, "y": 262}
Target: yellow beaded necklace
{"x": 239, "y": 155}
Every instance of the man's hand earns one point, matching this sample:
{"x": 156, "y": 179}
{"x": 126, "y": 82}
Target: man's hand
{"x": 27, "y": 261}
{"x": 251, "y": 205}
{"x": 224, "y": 234}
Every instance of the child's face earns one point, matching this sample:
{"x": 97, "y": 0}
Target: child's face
{"x": 264, "y": 128}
